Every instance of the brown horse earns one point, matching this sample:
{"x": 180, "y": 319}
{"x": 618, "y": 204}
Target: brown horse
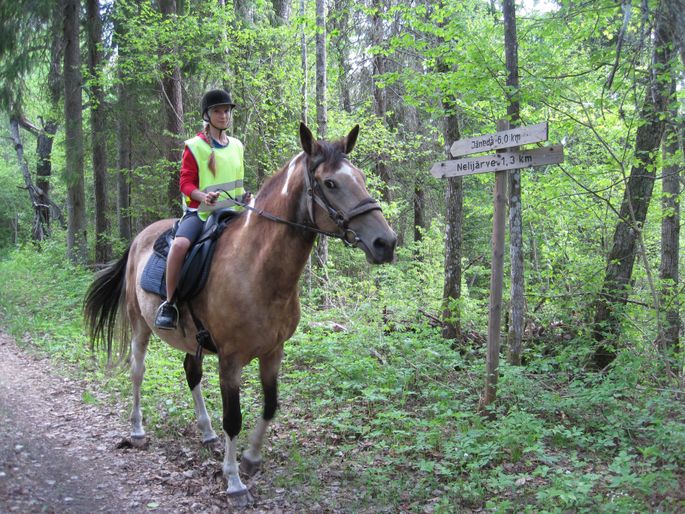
{"x": 250, "y": 304}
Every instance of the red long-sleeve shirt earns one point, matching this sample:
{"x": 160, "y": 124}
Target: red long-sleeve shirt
{"x": 190, "y": 173}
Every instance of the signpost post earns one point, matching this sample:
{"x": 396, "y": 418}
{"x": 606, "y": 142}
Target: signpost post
{"x": 506, "y": 141}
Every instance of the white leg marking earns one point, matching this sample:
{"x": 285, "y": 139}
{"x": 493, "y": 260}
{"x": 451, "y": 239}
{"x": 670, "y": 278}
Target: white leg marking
{"x": 230, "y": 467}
{"x": 137, "y": 372}
{"x": 203, "y": 421}
{"x": 291, "y": 167}
{"x": 253, "y": 452}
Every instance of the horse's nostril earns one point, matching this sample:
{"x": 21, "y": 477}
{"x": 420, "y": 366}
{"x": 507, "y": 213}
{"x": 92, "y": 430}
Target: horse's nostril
{"x": 383, "y": 244}
{"x": 380, "y": 244}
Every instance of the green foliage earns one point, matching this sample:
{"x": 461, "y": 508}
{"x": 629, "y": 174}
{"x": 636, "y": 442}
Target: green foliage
{"x": 390, "y": 407}
{"x": 386, "y": 406}
{"x": 14, "y": 216}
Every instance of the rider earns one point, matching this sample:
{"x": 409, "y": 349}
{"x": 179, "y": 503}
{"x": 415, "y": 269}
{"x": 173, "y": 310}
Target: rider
{"x": 212, "y": 164}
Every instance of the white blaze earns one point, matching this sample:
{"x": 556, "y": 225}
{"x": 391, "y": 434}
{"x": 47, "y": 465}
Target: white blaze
{"x": 346, "y": 169}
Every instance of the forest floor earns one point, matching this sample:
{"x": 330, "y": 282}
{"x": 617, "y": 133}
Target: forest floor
{"x": 63, "y": 451}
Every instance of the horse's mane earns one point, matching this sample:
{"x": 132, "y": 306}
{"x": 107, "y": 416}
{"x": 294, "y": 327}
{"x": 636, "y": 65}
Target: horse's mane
{"x": 275, "y": 181}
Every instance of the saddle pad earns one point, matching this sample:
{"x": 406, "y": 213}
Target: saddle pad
{"x": 153, "y": 279}
{"x": 163, "y": 242}
{"x": 195, "y": 269}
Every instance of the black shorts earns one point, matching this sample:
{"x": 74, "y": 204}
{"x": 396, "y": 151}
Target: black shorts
{"x": 190, "y": 226}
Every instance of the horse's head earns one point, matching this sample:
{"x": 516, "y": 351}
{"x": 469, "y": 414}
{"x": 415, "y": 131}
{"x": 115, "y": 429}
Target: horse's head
{"x": 337, "y": 199}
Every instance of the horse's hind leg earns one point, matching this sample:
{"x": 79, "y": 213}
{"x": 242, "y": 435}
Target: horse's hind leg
{"x": 268, "y": 371}
{"x": 193, "y": 369}
{"x": 139, "y": 342}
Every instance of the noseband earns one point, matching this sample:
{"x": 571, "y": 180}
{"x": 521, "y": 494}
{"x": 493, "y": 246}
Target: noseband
{"x": 314, "y": 193}
{"x": 340, "y": 217}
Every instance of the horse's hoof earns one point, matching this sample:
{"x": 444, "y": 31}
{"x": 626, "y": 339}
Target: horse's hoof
{"x": 139, "y": 443}
{"x": 241, "y": 498}
{"x": 250, "y": 467}
{"x": 210, "y": 440}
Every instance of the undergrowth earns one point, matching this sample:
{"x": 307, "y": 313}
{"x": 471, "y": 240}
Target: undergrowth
{"x": 381, "y": 406}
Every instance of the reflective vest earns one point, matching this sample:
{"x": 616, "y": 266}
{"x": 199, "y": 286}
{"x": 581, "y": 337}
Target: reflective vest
{"x": 229, "y": 172}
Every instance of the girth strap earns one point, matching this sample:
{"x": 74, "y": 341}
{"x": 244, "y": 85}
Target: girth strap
{"x": 203, "y": 337}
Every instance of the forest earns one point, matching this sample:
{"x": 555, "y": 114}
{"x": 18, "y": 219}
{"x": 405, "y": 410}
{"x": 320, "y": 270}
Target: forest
{"x": 400, "y": 382}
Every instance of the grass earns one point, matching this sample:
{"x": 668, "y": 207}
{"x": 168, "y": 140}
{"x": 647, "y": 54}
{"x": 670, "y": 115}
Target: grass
{"x": 382, "y": 417}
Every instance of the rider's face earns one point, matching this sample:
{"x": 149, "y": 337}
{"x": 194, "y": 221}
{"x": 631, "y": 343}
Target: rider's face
{"x": 220, "y": 116}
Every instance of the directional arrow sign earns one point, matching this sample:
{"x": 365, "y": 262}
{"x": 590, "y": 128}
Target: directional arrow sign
{"x": 505, "y": 139}
{"x": 499, "y": 162}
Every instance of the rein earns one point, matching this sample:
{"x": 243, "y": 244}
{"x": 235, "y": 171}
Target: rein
{"x": 315, "y": 194}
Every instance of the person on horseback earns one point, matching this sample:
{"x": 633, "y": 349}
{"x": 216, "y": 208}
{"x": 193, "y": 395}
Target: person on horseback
{"x": 212, "y": 172}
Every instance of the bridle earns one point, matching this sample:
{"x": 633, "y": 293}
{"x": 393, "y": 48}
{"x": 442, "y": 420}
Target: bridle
{"x": 314, "y": 193}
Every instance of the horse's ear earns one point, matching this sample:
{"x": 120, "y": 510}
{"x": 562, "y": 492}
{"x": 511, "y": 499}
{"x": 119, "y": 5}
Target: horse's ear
{"x": 307, "y": 139}
{"x": 351, "y": 139}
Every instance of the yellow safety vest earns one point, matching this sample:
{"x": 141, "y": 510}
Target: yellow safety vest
{"x": 229, "y": 172}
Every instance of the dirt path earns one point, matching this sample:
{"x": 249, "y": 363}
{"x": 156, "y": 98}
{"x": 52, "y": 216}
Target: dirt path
{"x": 59, "y": 454}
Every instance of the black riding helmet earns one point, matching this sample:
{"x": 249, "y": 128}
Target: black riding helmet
{"x": 213, "y": 98}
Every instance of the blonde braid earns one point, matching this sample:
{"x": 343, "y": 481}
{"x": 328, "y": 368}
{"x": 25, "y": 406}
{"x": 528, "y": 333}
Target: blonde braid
{"x": 211, "y": 164}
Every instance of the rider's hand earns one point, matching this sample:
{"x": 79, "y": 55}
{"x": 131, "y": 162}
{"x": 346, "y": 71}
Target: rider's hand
{"x": 247, "y": 197}
{"x": 211, "y": 197}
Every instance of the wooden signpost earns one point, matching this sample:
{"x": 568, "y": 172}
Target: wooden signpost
{"x": 499, "y": 162}
{"x": 508, "y": 157}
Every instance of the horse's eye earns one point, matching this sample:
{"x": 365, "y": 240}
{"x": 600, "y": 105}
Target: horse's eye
{"x": 329, "y": 184}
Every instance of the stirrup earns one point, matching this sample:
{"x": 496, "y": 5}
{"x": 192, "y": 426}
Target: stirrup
{"x": 167, "y": 316}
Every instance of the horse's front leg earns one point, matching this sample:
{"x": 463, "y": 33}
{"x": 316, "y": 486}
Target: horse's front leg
{"x": 193, "y": 368}
{"x": 229, "y": 379}
{"x": 269, "y": 366}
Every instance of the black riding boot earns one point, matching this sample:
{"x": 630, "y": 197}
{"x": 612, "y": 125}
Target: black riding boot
{"x": 167, "y": 316}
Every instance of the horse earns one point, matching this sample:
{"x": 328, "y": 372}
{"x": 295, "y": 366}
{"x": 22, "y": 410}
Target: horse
{"x": 250, "y": 304}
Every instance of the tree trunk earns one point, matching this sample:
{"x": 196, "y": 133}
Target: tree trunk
{"x": 518, "y": 300}
{"x": 413, "y": 125}
{"x": 45, "y": 137}
{"x": 282, "y": 10}
{"x": 124, "y": 143}
{"x": 124, "y": 167}
{"x": 638, "y": 192}
{"x": 77, "y": 248}
{"x": 243, "y": 11}
{"x": 670, "y": 236}
{"x": 340, "y": 41}
{"x": 379, "y": 94}
{"x": 321, "y": 79}
{"x": 103, "y": 247}
{"x": 321, "y": 111}
{"x": 676, "y": 12}
{"x": 454, "y": 218}
{"x": 172, "y": 98}
{"x": 305, "y": 67}
{"x": 38, "y": 228}
{"x": 44, "y": 141}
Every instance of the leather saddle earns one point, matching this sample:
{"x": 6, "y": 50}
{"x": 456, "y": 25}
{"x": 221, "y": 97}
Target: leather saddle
{"x": 196, "y": 266}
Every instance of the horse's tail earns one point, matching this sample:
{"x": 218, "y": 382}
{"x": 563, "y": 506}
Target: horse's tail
{"x": 104, "y": 299}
